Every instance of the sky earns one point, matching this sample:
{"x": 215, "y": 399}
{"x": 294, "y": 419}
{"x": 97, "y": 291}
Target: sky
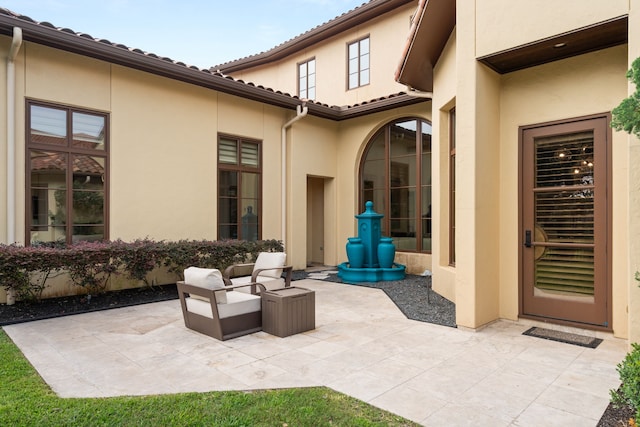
{"x": 203, "y": 33}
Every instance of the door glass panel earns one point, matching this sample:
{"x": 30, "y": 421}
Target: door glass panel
{"x": 564, "y": 272}
{"x": 564, "y": 216}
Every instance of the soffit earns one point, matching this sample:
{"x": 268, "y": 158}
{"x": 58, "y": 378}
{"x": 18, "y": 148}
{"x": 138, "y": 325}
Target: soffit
{"x": 65, "y": 39}
{"x": 598, "y": 36}
{"x": 432, "y": 27}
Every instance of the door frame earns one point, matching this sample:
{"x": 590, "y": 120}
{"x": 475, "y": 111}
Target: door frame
{"x": 608, "y": 227}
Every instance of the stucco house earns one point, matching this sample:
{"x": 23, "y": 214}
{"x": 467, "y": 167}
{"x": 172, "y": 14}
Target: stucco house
{"x": 480, "y": 129}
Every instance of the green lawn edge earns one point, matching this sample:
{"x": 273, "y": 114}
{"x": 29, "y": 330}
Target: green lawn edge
{"x": 26, "y": 400}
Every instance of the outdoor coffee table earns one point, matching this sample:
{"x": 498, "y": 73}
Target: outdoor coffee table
{"x": 288, "y": 311}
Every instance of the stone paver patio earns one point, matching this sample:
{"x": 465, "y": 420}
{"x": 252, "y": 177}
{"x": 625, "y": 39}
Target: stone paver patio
{"x": 362, "y": 346}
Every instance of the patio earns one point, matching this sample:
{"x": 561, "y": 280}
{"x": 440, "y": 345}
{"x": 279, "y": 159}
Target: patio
{"x": 362, "y": 346}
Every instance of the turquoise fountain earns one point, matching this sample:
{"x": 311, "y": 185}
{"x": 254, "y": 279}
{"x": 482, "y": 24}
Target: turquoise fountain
{"x": 371, "y": 256}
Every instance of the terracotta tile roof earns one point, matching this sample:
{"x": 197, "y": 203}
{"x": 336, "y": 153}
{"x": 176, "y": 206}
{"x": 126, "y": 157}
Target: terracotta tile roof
{"x": 47, "y": 34}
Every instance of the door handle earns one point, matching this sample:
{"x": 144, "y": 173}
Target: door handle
{"x": 527, "y": 238}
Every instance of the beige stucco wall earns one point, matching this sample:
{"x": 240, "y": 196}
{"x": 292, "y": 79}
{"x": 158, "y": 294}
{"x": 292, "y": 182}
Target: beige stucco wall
{"x": 633, "y": 156}
{"x": 388, "y": 34}
{"x": 444, "y": 99}
{"x": 163, "y": 142}
{"x": 556, "y": 91}
{"x": 527, "y": 21}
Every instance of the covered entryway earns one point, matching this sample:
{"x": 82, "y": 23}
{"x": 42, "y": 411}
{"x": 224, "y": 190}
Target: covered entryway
{"x": 565, "y": 273}
{"x": 315, "y": 221}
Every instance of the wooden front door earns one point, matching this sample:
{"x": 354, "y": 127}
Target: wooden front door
{"x": 564, "y": 222}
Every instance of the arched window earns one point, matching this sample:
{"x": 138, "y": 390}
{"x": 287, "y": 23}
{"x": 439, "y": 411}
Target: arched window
{"x": 395, "y": 174}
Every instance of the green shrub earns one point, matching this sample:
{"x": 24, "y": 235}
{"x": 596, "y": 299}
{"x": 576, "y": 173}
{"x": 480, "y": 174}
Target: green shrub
{"x": 629, "y": 392}
{"x": 91, "y": 264}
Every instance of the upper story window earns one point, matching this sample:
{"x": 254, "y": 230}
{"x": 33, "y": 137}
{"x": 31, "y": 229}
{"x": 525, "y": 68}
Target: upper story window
{"x": 395, "y": 175}
{"x": 358, "y": 63}
{"x": 307, "y": 79}
{"x": 239, "y": 188}
{"x": 67, "y": 151}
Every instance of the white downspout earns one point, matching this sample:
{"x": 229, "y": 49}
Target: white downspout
{"x": 11, "y": 134}
{"x": 418, "y": 93}
{"x": 301, "y": 111}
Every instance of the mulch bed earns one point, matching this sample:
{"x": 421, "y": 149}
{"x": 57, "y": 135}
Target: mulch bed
{"x": 64, "y": 306}
{"x": 76, "y": 304}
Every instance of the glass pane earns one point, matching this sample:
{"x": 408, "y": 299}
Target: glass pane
{"x": 353, "y": 66}
{"x": 403, "y": 202}
{"x": 364, "y": 77}
{"x": 227, "y": 210}
{"x": 403, "y": 232}
{"x": 567, "y": 271}
{"x": 426, "y": 169}
{"x": 312, "y": 66}
{"x": 87, "y": 233}
{"x": 228, "y": 151}
{"x": 403, "y": 139}
{"x": 373, "y": 173}
{"x": 403, "y": 172}
{"x": 312, "y": 80}
{"x": 311, "y": 94}
{"x": 88, "y": 131}
{"x": 353, "y": 50}
{"x": 250, "y": 154}
{"x": 250, "y": 185}
{"x": 88, "y": 172}
{"x": 353, "y": 81}
{"x": 228, "y": 184}
{"x": 48, "y": 170}
{"x": 426, "y": 137}
{"x": 249, "y": 220}
{"x": 302, "y": 70}
{"x": 303, "y": 93}
{"x": 228, "y": 231}
{"x": 48, "y": 125}
{"x": 565, "y": 216}
{"x": 376, "y": 147}
{"x": 303, "y": 83}
{"x": 364, "y": 62}
{"x": 364, "y": 46}
{"x": 564, "y": 160}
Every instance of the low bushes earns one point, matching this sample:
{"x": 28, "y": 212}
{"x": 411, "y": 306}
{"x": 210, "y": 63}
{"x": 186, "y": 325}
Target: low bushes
{"x": 629, "y": 392}
{"x": 90, "y": 265}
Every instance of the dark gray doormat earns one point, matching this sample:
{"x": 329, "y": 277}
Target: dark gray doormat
{"x": 565, "y": 337}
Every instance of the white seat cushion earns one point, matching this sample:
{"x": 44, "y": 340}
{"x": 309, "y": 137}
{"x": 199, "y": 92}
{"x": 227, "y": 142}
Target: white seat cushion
{"x": 206, "y": 278}
{"x": 268, "y": 282}
{"x": 270, "y": 260}
{"x": 237, "y": 303}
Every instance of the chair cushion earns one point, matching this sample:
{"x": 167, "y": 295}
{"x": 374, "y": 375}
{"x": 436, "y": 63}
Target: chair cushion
{"x": 206, "y": 278}
{"x": 270, "y": 260}
{"x": 268, "y": 282}
{"x": 237, "y": 303}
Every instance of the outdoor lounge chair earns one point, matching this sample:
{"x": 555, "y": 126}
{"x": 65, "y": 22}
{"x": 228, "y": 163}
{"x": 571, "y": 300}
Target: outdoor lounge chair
{"x": 267, "y": 270}
{"x": 211, "y": 308}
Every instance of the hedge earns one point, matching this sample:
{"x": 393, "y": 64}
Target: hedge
{"x": 27, "y": 269}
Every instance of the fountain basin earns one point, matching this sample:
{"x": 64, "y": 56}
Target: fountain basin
{"x": 366, "y": 274}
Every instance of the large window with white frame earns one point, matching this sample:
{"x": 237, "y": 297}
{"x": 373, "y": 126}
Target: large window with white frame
{"x": 67, "y": 164}
{"x": 307, "y": 79}
{"x": 358, "y": 63}
{"x": 239, "y": 188}
{"x": 395, "y": 175}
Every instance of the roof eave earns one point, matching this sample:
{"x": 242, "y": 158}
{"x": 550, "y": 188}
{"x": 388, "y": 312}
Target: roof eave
{"x": 433, "y": 23}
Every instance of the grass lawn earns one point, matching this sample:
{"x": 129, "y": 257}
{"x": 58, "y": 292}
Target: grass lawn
{"x": 26, "y": 400}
